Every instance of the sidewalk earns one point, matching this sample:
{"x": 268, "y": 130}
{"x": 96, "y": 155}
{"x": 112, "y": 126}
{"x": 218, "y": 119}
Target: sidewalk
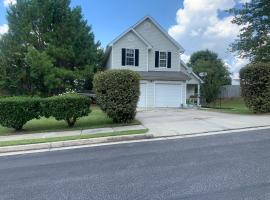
{"x": 69, "y": 133}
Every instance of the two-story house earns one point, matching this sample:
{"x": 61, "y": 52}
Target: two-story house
{"x": 148, "y": 49}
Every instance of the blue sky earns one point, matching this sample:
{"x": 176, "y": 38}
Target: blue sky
{"x": 195, "y": 24}
{"x": 111, "y": 17}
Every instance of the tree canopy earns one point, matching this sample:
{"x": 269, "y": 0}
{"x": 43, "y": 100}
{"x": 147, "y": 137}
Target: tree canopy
{"x": 254, "y": 38}
{"x": 203, "y": 55}
{"x": 217, "y": 73}
{"x": 49, "y": 48}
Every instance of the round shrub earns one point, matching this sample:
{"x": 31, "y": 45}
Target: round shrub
{"x": 15, "y": 112}
{"x": 68, "y": 107}
{"x": 117, "y": 93}
{"x": 255, "y": 84}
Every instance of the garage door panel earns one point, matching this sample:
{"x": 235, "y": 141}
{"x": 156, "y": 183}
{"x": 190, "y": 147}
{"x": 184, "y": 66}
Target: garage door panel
{"x": 168, "y": 95}
{"x": 142, "y": 98}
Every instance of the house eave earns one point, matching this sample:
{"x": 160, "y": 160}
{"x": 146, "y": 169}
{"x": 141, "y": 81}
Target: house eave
{"x": 195, "y": 75}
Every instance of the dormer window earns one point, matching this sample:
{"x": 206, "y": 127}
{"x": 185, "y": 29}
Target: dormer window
{"x": 162, "y": 59}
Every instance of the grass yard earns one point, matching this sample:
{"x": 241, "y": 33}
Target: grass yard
{"x": 96, "y": 119}
{"x": 66, "y": 138}
{"x": 236, "y": 105}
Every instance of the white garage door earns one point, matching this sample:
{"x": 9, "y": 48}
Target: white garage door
{"x": 168, "y": 95}
{"x": 142, "y": 99}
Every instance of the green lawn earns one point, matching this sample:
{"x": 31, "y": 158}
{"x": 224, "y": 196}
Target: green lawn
{"x": 235, "y": 105}
{"x": 56, "y": 139}
{"x": 96, "y": 119}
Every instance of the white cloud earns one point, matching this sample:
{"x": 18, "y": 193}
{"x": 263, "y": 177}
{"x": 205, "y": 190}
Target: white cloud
{"x": 3, "y": 29}
{"x": 245, "y": 1}
{"x": 185, "y": 57}
{"x": 198, "y": 26}
{"x": 236, "y": 64}
{"x": 9, "y": 2}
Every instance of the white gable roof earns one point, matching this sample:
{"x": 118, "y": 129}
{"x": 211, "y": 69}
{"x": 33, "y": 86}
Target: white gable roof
{"x": 132, "y": 28}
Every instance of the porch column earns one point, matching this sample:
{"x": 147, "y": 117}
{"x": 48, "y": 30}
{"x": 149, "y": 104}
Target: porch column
{"x": 198, "y": 95}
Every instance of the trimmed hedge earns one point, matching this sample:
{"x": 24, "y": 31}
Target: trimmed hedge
{"x": 117, "y": 93}
{"x": 68, "y": 107}
{"x": 16, "y": 111}
{"x": 255, "y": 84}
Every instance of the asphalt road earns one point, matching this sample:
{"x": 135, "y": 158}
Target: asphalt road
{"x": 231, "y": 166}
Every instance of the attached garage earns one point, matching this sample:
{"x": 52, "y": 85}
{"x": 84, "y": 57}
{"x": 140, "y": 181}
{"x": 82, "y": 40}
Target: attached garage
{"x": 158, "y": 94}
{"x": 168, "y": 95}
{"x": 162, "y": 89}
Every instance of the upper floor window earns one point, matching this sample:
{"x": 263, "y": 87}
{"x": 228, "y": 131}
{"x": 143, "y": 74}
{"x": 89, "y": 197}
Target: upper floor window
{"x": 162, "y": 59}
{"x": 130, "y": 57}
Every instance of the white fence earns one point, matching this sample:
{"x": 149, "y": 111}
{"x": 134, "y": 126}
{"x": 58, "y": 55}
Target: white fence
{"x": 230, "y": 91}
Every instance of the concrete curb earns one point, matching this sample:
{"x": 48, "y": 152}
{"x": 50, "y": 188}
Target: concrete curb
{"x": 70, "y": 143}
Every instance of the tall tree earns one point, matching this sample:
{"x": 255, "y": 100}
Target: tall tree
{"x": 254, "y": 38}
{"x": 204, "y": 55}
{"x": 216, "y": 73}
{"x": 49, "y": 47}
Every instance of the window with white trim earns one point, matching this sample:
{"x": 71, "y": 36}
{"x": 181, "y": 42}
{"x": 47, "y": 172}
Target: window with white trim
{"x": 163, "y": 59}
{"x": 130, "y": 57}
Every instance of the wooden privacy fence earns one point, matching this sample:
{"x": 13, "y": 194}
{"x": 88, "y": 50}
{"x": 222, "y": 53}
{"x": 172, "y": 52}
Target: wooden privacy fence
{"x": 230, "y": 91}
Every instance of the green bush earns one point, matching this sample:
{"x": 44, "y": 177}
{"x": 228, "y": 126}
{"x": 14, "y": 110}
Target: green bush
{"x": 255, "y": 84}
{"x": 117, "y": 93}
{"x": 16, "y": 111}
{"x": 68, "y": 107}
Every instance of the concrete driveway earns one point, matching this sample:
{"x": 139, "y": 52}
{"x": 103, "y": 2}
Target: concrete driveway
{"x": 170, "y": 122}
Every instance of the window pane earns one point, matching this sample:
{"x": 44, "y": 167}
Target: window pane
{"x": 130, "y": 57}
{"x": 162, "y": 63}
{"x": 163, "y": 55}
{"x": 163, "y": 59}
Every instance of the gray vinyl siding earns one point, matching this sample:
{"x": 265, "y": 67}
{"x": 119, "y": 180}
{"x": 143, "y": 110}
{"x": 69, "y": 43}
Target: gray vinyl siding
{"x": 109, "y": 62}
{"x": 159, "y": 42}
{"x": 193, "y": 80}
{"x": 130, "y": 40}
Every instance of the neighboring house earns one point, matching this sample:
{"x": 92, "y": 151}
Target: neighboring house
{"x": 148, "y": 49}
